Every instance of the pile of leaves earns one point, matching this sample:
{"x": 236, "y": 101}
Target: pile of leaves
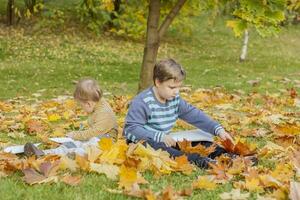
{"x": 264, "y": 125}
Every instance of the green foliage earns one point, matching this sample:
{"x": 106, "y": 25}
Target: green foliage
{"x": 265, "y": 16}
{"x": 130, "y": 19}
{"x": 96, "y": 13}
{"x": 30, "y": 63}
{"x": 50, "y": 19}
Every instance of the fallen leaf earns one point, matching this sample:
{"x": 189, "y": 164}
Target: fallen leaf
{"x": 111, "y": 171}
{"x": 33, "y": 177}
{"x": 82, "y": 162}
{"x": 294, "y": 190}
{"x": 235, "y": 194}
{"x": 205, "y": 182}
{"x": 67, "y": 163}
{"x": 71, "y": 180}
{"x": 49, "y": 169}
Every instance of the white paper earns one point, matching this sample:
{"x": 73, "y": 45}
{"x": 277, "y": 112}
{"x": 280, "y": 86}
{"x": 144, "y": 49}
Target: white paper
{"x": 61, "y": 140}
{"x": 192, "y": 135}
{"x": 16, "y": 149}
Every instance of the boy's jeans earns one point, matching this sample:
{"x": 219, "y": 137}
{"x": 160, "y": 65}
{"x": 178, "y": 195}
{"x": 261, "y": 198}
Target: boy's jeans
{"x": 200, "y": 161}
{"x": 175, "y": 151}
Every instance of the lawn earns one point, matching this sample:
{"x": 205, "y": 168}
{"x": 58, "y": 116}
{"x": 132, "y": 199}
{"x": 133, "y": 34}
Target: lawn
{"x": 48, "y": 64}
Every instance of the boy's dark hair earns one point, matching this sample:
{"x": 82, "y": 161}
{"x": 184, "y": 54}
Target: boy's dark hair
{"x": 168, "y": 69}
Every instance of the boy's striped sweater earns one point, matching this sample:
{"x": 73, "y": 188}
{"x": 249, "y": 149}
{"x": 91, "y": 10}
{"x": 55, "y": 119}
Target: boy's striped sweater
{"x": 149, "y": 119}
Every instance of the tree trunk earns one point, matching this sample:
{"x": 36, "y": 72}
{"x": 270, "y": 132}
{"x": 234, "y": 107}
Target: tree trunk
{"x": 245, "y": 46}
{"x": 154, "y": 35}
{"x": 151, "y": 46}
{"x": 10, "y": 12}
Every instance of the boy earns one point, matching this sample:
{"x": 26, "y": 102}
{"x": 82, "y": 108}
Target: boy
{"x": 153, "y": 113}
{"x": 101, "y": 120}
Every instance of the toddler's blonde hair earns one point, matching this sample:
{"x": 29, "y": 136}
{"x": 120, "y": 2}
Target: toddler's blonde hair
{"x": 87, "y": 90}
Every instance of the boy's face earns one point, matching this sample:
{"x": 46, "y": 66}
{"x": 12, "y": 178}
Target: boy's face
{"x": 167, "y": 90}
{"x": 88, "y": 106}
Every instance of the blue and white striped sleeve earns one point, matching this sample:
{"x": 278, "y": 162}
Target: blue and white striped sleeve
{"x": 136, "y": 118}
{"x": 198, "y": 118}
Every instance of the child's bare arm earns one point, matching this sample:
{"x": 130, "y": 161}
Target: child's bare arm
{"x": 103, "y": 123}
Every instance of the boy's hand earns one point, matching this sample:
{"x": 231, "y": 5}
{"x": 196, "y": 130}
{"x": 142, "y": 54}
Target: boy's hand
{"x": 224, "y": 135}
{"x": 169, "y": 141}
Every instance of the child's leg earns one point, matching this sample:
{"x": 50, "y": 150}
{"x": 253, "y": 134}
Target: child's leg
{"x": 171, "y": 150}
{"x": 91, "y": 142}
{"x": 198, "y": 160}
{"x": 61, "y": 150}
{"x": 218, "y": 151}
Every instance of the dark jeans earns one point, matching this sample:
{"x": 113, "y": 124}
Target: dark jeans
{"x": 176, "y": 152}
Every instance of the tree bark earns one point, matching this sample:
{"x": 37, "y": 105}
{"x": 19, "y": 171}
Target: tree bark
{"x": 245, "y": 46}
{"x": 10, "y": 12}
{"x": 153, "y": 37}
{"x": 151, "y": 46}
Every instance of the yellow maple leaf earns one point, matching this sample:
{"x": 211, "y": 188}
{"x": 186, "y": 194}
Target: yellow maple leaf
{"x": 105, "y": 144}
{"x": 115, "y": 154}
{"x": 67, "y": 163}
{"x": 54, "y": 117}
{"x": 205, "y": 182}
{"x": 253, "y": 185}
{"x": 70, "y": 104}
{"x": 58, "y": 132}
{"x": 283, "y": 172}
{"x": 93, "y": 153}
{"x": 128, "y": 176}
{"x": 111, "y": 171}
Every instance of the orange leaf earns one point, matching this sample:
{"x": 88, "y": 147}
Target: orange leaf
{"x": 82, "y": 162}
{"x": 71, "y": 180}
{"x": 187, "y": 147}
{"x": 219, "y": 171}
{"x": 183, "y": 165}
{"x": 240, "y": 148}
{"x": 34, "y": 126}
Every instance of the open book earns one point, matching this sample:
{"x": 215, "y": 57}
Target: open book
{"x": 192, "y": 135}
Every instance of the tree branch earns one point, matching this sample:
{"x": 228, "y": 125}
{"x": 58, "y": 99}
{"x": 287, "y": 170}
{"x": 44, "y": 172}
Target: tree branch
{"x": 168, "y": 20}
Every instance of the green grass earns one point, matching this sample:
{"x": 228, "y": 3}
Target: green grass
{"x": 32, "y": 63}
{"x": 49, "y": 64}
